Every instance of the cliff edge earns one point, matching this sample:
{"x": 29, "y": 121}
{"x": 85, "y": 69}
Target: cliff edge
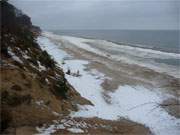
{"x": 33, "y": 89}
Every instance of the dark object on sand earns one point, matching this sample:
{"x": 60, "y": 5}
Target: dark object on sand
{"x": 73, "y": 74}
{"x": 68, "y": 72}
{"x": 76, "y": 74}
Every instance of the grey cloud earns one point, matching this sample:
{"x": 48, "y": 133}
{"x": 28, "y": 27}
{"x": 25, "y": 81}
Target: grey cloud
{"x": 102, "y": 14}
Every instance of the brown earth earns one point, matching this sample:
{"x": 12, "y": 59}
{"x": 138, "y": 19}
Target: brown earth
{"x": 26, "y": 101}
{"x": 108, "y": 127}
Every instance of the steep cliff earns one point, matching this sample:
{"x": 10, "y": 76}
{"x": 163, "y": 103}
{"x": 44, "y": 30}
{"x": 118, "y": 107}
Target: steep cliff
{"x": 33, "y": 89}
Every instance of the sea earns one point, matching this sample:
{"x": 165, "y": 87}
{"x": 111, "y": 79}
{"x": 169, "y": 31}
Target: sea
{"x": 161, "y": 40}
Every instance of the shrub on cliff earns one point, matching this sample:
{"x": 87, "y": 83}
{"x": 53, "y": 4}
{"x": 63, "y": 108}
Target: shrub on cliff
{"x": 46, "y": 60}
{"x": 61, "y": 89}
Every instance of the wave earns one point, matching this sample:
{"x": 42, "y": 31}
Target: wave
{"x": 148, "y": 58}
{"x": 126, "y": 46}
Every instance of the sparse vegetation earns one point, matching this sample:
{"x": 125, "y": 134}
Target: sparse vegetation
{"x": 46, "y": 59}
{"x": 5, "y": 119}
{"x": 47, "y": 103}
{"x": 61, "y": 89}
{"x": 14, "y": 99}
{"x": 33, "y": 61}
{"x": 16, "y": 87}
{"x": 24, "y": 83}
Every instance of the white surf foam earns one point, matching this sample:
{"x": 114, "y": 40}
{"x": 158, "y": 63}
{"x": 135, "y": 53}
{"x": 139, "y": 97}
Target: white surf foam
{"x": 127, "y": 54}
{"x": 123, "y": 102}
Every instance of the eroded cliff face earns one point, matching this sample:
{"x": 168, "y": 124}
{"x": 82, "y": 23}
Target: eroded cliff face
{"x": 33, "y": 90}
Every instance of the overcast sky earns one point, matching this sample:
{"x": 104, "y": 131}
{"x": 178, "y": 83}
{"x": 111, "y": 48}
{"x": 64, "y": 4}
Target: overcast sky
{"x": 102, "y": 14}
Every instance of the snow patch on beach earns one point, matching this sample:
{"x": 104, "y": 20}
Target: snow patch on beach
{"x": 136, "y": 103}
{"x": 124, "y": 53}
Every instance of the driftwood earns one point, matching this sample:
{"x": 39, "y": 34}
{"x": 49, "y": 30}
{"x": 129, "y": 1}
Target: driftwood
{"x": 157, "y": 105}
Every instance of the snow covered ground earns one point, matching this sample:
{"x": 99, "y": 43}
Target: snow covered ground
{"x": 128, "y": 54}
{"x": 13, "y": 55}
{"x": 135, "y": 103}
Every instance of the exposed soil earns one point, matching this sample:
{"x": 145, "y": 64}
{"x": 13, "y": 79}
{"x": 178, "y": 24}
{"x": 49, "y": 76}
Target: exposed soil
{"x": 107, "y": 127}
{"x": 28, "y": 102}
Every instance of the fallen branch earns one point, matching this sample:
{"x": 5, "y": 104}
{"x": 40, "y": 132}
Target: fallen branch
{"x": 157, "y": 105}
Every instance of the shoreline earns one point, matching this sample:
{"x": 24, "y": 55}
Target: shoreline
{"x": 121, "y": 42}
{"x": 102, "y": 125}
{"x": 78, "y": 53}
{"x": 126, "y": 54}
{"x": 135, "y": 75}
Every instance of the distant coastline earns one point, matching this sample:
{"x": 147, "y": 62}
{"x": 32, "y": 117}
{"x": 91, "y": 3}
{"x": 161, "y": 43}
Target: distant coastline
{"x": 161, "y": 40}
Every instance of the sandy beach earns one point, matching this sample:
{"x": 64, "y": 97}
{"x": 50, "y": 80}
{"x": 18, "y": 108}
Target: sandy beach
{"x": 81, "y": 67}
{"x": 120, "y": 72}
{"x": 110, "y": 82}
